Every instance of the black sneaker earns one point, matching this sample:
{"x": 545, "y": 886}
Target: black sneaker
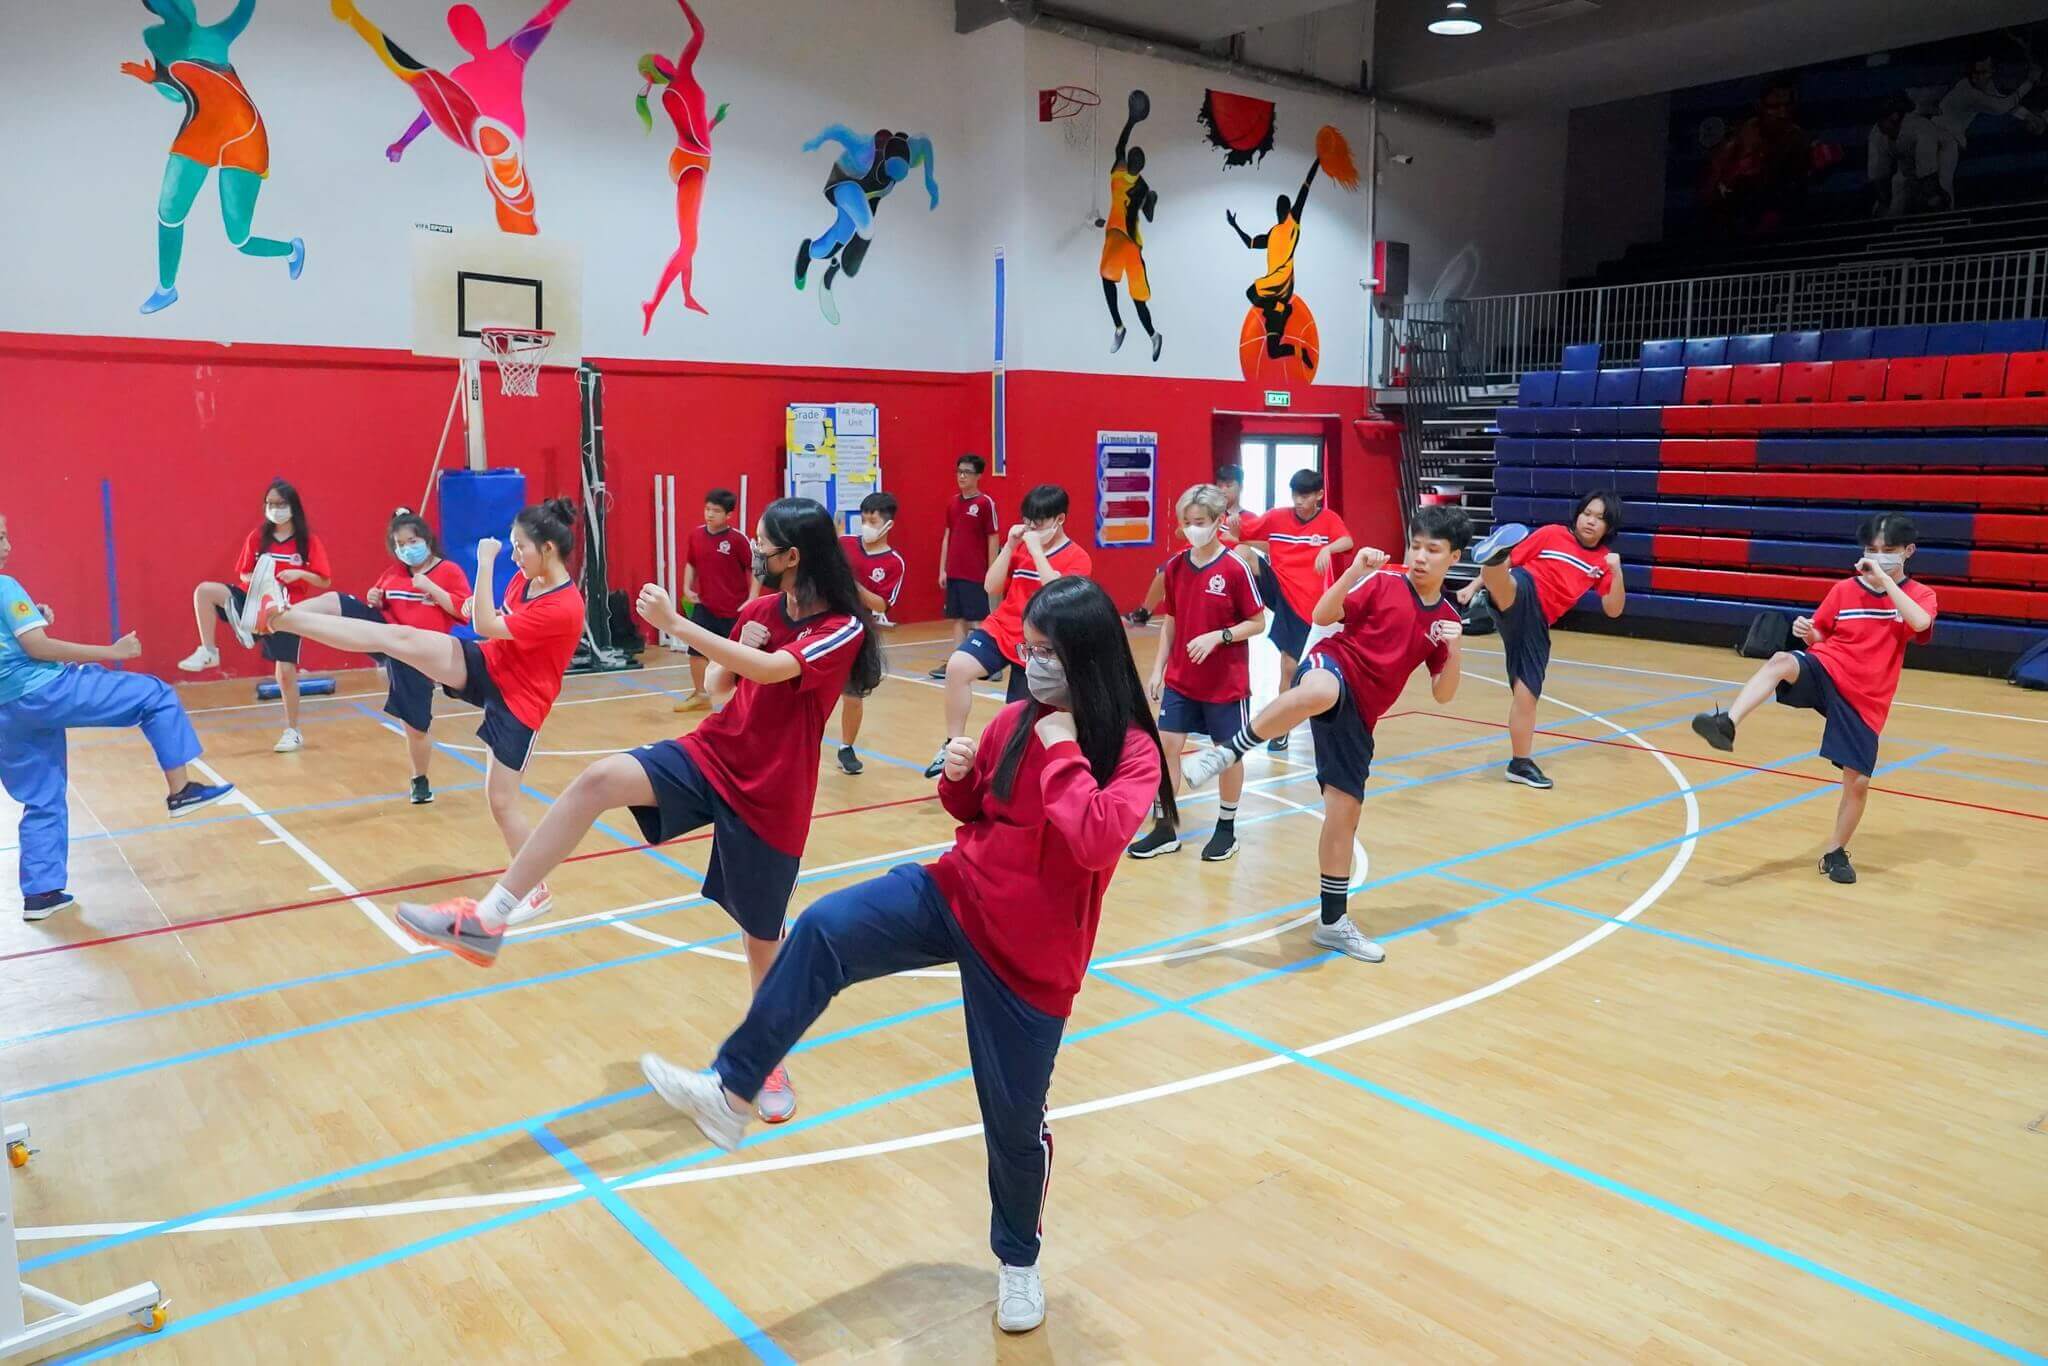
{"x": 1164, "y": 839}
{"x": 1835, "y": 863}
{"x": 422, "y": 791}
{"x": 1222, "y": 845}
{"x": 1138, "y": 616}
{"x": 939, "y": 672}
{"x": 1525, "y": 772}
{"x": 1277, "y": 745}
{"x": 43, "y": 905}
{"x": 1716, "y": 727}
{"x": 849, "y": 762}
{"x": 193, "y": 796}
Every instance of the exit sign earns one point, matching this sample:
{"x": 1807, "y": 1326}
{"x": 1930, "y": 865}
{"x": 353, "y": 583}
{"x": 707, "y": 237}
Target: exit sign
{"x": 1279, "y": 398}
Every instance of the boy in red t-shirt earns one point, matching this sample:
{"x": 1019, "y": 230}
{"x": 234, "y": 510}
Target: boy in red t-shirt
{"x": 965, "y": 550}
{"x": 1848, "y": 672}
{"x": 1201, "y": 676}
{"x": 717, "y": 581}
{"x": 878, "y": 571}
{"x": 1302, "y": 545}
{"x": 1388, "y": 621}
{"x": 1036, "y": 553}
{"x": 1229, "y": 479}
{"x": 1531, "y": 579}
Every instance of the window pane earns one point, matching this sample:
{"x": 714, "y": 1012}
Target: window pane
{"x": 1290, "y": 456}
{"x": 1257, "y": 459}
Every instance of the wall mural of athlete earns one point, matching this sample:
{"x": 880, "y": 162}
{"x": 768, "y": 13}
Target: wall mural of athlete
{"x": 221, "y": 132}
{"x": 867, "y": 169}
{"x": 479, "y": 105}
{"x": 682, "y": 99}
{"x": 1279, "y": 340}
{"x": 1131, "y": 202}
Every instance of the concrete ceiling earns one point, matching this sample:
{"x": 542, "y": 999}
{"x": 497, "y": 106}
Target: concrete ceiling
{"x": 1641, "y": 47}
{"x": 1194, "y": 21}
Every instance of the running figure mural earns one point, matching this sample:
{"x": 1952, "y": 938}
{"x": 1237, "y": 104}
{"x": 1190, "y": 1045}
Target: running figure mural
{"x": 867, "y": 169}
{"x": 682, "y": 99}
{"x": 221, "y": 132}
{"x": 1131, "y": 200}
{"x": 479, "y": 105}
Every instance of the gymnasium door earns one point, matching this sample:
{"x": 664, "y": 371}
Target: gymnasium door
{"x": 1270, "y": 461}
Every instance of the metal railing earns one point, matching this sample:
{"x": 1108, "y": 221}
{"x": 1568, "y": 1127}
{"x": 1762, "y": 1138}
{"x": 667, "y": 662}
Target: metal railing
{"x": 1501, "y": 335}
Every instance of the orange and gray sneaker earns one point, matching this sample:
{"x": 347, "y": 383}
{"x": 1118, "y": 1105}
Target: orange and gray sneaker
{"x": 455, "y": 926}
{"x": 776, "y": 1103}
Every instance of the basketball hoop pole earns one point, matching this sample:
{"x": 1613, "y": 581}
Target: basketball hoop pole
{"x": 472, "y": 388}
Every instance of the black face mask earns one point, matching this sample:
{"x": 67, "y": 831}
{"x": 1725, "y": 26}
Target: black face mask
{"x": 771, "y": 579}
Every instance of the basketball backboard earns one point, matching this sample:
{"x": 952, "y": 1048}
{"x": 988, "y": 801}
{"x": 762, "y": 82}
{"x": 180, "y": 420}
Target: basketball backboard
{"x": 463, "y": 282}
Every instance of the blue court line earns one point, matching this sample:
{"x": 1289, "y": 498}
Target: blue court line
{"x": 1768, "y": 960}
{"x": 276, "y": 1293}
{"x": 195, "y": 822}
{"x": 2002, "y": 758}
{"x": 1987, "y": 778}
{"x": 1634, "y": 1194}
{"x": 736, "y": 1322}
{"x": 1495, "y": 738}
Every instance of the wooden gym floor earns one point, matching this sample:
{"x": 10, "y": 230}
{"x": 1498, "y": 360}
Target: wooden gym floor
{"x": 1635, "y": 1082}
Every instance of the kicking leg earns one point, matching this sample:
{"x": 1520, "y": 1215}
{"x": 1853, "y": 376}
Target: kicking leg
{"x": 1315, "y": 694}
{"x": 1717, "y": 728}
{"x": 437, "y": 656}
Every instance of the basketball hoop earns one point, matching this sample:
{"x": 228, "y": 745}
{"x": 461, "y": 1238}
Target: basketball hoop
{"x": 1065, "y": 101}
{"x": 518, "y": 353}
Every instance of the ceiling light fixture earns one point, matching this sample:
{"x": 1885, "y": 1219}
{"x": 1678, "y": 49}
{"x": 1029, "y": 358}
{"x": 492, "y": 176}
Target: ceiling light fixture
{"x": 1457, "y": 21}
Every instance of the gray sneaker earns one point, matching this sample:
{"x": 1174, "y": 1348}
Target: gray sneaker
{"x": 700, "y": 1095}
{"x": 1347, "y": 939}
{"x": 1198, "y": 770}
{"x": 452, "y": 925}
{"x": 777, "y": 1101}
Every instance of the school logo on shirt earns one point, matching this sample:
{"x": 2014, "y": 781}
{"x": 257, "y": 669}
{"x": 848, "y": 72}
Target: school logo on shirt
{"x": 724, "y": 546}
{"x": 1216, "y": 588}
{"x": 974, "y": 509}
{"x": 877, "y": 574}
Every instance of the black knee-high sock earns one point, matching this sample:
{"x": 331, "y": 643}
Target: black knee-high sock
{"x": 1144, "y": 312}
{"x": 1109, "y": 294}
{"x": 1336, "y": 898}
{"x": 1245, "y": 741}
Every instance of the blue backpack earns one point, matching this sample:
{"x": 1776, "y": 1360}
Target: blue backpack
{"x": 2030, "y": 670}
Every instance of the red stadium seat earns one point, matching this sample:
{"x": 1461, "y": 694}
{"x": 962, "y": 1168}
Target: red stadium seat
{"x": 1806, "y": 381}
{"x": 1707, "y": 384}
{"x": 1913, "y": 378}
{"x": 1974, "y": 377}
{"x": 1858, "y": 381}
{"x": 2026, "y": 393}
{"x": 1754, "y": 384}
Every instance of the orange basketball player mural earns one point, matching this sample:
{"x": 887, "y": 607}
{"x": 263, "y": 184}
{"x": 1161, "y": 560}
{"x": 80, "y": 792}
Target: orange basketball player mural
{"x": 479, "y": 105}
{"x": 1279, "y": 341}
{"x": 682, "y": 99}
{"x": 1131, "y": 203}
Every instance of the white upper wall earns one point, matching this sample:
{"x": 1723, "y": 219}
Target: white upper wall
{"x": 1480, "y": 216}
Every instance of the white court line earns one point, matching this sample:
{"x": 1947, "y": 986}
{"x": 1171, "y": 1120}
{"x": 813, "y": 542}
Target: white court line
{"x": 319, "y": 865}
{"x": 690, "y": 1175}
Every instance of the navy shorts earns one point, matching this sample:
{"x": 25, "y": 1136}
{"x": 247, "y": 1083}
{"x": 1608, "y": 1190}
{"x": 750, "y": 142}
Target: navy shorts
{"x": 1289, "y": 631}
{"x": 1524, "y": 634}
{"x": 712, "y": 622}
{"x": 749, "y": 877}
{"x": 966, "y": 600}
{"x": 1269, "y": 586}
{"x": 509, "y": 739}
{"x": 279, "y": 647}
{"x": 1183, "y": 715}
{"x": 985, "y": 652}
{"x": 1847, "y": 741}
{"x": 408, "y": 694}
{"x": 1343, "y": 744}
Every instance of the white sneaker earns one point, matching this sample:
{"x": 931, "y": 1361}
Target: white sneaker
{"x": 291, "y": 742}
{"x": 700, "y": 1095}
{"x": 1020, "y": 1299}
{"x": 1198, "y": 770}
{"x": 262, "y": 584}
{"x": 538, "y": 903}
{"x": 1347, "y": 939}
{"x": 200, "y": 660}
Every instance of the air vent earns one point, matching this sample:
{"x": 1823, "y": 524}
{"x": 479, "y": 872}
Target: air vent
{"x": 1548, "y": 12}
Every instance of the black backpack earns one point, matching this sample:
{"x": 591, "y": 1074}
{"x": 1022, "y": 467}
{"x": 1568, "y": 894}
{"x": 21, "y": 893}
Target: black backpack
{"x": 2030, "y": 670}
{"x": 1769, "y": 634}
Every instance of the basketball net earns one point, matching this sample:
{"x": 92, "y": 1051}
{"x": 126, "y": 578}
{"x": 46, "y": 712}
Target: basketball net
{"x": 518, "y": 353}
{"x": 1074, "y": 106}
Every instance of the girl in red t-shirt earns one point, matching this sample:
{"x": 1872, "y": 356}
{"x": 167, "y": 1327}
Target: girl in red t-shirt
{"x": 421, "y": 589}
{"x": 1046, "y": 800}
{"x": 513, "y": 670}
{"x": 282, "y": 547}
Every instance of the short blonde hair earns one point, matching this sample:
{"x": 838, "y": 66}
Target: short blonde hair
{"x": 1207, "y": 497}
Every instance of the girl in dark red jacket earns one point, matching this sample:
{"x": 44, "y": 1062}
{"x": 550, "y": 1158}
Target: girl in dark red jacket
{"x": 1047, "y": 800}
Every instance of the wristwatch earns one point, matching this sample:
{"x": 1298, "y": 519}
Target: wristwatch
{"x": 1226, "y": 635}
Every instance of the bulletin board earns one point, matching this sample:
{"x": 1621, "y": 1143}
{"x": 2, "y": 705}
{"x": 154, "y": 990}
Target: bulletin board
{"x": 1126, "y": 488}
{"x": 833, "y": 453}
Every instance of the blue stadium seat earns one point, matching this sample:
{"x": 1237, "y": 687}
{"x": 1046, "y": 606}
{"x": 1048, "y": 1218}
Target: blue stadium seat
{"x": 1955, "y": 339}
{"x": 1791, "y": 347}
{"x": 2030, "y": 335}
{"x": 1754, "y": 349}
{"x": 1706, "y": 351}
{"x": 1514, "y": 450}
{"x": 1617, "y": 388}
{"x": 1511, "y": 479}
{"x": 1576, "y": 388}
{"x": 1584, "y": 356}
{"x": 1659, "y": 354}
{"x": 1846, "y": 343}
{"x": 1538, "y": 389}
{"x": 1890, "y": 343}
{"x": 1662, "y": 388}
{"x": 1935, "y": 451}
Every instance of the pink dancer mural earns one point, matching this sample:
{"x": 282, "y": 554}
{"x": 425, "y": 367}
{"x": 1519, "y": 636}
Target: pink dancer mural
{"x": 682, "y": 99}
{"x": 479, "y": 105}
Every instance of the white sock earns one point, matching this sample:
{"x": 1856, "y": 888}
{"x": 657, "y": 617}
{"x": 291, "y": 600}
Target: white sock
{"x": 496, "y": 907}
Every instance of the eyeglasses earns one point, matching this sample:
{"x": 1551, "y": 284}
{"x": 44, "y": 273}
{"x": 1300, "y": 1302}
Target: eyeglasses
{"x": 1039, "y": 654}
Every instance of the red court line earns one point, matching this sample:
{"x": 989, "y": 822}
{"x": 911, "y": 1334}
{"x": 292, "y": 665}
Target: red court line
{"x": 229, "y": 919}
{"x": 1753, "y": 768}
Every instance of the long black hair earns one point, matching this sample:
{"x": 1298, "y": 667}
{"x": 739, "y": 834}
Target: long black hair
{"x": 1081, "y": 621}
{"x": 551, "y": 523}
{"x": 300, "y": 533}
{"x": 823, "y": 577}
{"x": 405, "y": 519}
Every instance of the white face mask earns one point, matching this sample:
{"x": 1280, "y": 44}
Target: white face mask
{"x": 1892, "y": 565}
{"x": 1200, "y": 535}
{"x": 277, "y": 516}
{"x": 870, "y": 534}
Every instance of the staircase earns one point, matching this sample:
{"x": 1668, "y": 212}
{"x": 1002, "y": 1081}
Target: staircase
{"x": 1447, "y": 439}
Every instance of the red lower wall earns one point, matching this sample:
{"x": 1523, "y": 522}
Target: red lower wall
{"x": 188, "y": 433}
